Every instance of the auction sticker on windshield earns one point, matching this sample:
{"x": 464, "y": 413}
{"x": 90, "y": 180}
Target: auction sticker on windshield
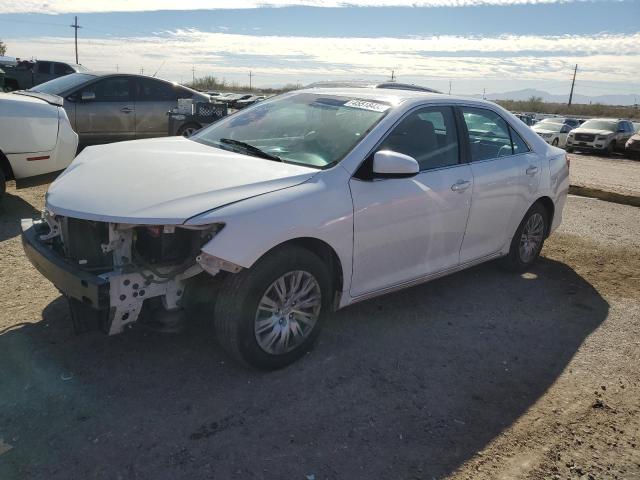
{"x": 373, "y": 106}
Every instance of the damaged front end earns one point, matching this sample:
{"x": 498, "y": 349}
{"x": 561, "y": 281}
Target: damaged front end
{"x": 109, "y": 270}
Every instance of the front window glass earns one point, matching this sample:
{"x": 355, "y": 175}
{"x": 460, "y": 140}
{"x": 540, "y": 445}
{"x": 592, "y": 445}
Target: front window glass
{"x": 600, "y": 125}
{"x": 488, "y": 134}
{"x": 114, "y": 89}
{"x": 309, "y": 129}
{"x": 62, "y": 85}
{"x": 428, "y": 135}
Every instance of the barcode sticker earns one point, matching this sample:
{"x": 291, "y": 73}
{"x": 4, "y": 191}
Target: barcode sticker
{"x": 373, "y": 106}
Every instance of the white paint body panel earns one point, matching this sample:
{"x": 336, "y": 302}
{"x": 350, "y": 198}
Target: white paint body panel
{"x": 406, "y": 229}
{"x": 30, "y": 127}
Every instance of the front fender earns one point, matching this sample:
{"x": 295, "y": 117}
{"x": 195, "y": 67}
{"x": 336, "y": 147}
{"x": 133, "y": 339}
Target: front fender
{"x": 320, "y": 208}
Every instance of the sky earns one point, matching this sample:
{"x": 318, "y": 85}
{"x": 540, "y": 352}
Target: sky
{"x": 466, "y": 45}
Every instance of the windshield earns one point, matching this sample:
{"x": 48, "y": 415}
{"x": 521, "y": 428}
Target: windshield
{"x": 309, "y": 129}
{"x": 60, "y": 85}
{"x": 600, "y": 125}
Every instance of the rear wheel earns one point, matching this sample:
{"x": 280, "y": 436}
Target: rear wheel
{"x": 270, "y": 315}
{"x": 528, "y": 240}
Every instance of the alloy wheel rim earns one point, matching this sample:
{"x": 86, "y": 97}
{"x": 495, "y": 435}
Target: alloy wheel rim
{"x": 531, "y": 238}
{"x": 188, "y": 132}
{"x": 287, "y": 312}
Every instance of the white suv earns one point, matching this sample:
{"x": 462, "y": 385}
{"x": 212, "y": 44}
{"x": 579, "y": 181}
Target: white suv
{"x": 35, "y": 136}
{"x": 603, "y": 135}
{"x": 301, "y": 204}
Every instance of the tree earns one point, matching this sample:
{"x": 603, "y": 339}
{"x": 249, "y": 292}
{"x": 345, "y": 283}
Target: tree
{"x": 3, "y": 48}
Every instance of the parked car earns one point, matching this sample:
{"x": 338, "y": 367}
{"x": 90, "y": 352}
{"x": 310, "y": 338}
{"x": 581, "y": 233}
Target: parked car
{"x": 603, "y": 135}
{"x": 240, "y": 104}
{"x": 572, "y": 122}
{"x": 111, "y": 107}
{"x": 21, "y": 75}
{"x": 35, "y": 137}
{"x": 526, "y": 119}
{"x": 307, "y": 202}
{"x": 632, "y": 147}
{"x": 636, "y": 126}
{"x": 553, "y": 133}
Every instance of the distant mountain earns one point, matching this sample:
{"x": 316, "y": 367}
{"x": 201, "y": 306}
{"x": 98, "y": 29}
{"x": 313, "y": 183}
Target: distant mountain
{"x": 527, "y": 93}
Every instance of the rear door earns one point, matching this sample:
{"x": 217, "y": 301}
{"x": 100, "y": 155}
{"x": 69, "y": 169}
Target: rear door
{"x": 506, "y": 175}
{"x": 110, "y": 115}
{"x": 406, "y": 228}
{"x": 154, "y": 98}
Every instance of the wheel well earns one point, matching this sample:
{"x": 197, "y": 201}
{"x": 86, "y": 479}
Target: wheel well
{"x": 5, "y": 166}
{"x": 548, "y": 205}
{"x": 326, "y": 253}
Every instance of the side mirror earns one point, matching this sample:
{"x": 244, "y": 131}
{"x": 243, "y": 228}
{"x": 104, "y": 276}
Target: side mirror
{"x": 88, "y": 96}
{"x": 387, "y": 163}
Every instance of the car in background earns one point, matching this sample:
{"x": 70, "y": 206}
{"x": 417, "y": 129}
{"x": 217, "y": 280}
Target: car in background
{"x": 554, "y": 133}
{"x": 36, "y": 137}
{"x": 526, "y": 119}
{"x": 636, "y": 126}
{"x": 632, "y": 147}
{"x": 240, "y": 104}
{"x": 24, "y": 74}
{"x": 572, "y": 122}
{"x": 287, "y": 204}
{"x": 112, "y": 107}
{"x": 603, "y": 135}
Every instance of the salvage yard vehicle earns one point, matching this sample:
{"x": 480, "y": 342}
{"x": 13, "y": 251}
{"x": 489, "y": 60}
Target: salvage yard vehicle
{"x": 296, "y": 206}
{"x": 21, "y": 75}
{"x": 35, "y": 137}
{"x": 603, "y": 135}
{"x": 554, "y": 133}
{"x": 632, "y": 147}
{"x": 112, "y": 107}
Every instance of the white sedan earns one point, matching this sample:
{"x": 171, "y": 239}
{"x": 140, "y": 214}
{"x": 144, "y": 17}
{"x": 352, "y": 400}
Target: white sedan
{"x": 299, "y": 205}
{"x": 35, "y": 136}
{"x": 554, "y": 133}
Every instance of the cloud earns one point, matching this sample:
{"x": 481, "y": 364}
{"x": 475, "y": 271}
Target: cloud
{"x": 275, "y": 59}
{"x": 84, "y": 6}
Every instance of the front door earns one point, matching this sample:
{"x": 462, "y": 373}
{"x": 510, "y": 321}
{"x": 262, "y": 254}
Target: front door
{"x": 505, "y": 181}
{"x": 110, "y": 115}
{"x": 406, "y": 228}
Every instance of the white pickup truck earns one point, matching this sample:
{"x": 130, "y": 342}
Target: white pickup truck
{"x": 35, "y": 136}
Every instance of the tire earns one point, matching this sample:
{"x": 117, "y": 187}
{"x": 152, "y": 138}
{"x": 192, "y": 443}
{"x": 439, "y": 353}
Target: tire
{"x": 188, "y": 129}
{"x": 555, "y": 142}
{"x": 610, "y": 148}
{"x": 238, "y": 318}
{"x": 516, "y": 260}
{"x": 3, "y": 184}
{"x": 569, "y": 149}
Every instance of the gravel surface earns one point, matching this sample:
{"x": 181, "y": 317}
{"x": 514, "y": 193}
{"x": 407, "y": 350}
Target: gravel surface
{"x": 480, "y": 375}
{"x": 615, "y": 174}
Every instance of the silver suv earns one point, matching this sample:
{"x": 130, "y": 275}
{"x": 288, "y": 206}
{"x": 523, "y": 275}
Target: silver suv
{"x": 604, "y": 135}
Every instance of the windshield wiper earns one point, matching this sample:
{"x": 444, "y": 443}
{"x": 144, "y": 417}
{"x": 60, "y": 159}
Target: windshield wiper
{"x": 251, "y": 149}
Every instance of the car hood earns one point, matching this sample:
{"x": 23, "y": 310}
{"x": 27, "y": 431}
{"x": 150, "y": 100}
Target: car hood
{"x": 592, "y": 131}
{"x": 163, "y": 181}
{"x": 543, "y": 130}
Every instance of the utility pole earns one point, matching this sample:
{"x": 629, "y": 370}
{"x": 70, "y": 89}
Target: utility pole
{"x": 572, "y": 84}
{"x": 193, "y": 75}
{"x": 250, "y": 78}
{"x": 449, "y": 87}
{"x": 117, "y": 68}
{"x": 141, "y": 70}
{"x": 76, "y": 27}
{"x": 484, "y": 93}
{"x": 393, "y": 75}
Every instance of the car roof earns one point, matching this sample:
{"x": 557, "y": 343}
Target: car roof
{"x": 368, "y": 84}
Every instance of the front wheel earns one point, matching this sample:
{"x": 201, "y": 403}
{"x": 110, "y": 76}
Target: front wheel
{"x": 188, "y": 129}
{"x": 528, "y": 240}
{"x": 270, "y": 315}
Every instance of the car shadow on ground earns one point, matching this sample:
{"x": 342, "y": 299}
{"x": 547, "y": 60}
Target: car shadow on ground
{"x": 409, "y": 385}
{"x": 12, "y": 209}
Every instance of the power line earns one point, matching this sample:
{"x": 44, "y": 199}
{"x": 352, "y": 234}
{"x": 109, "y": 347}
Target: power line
{"x": 75, "y": 26}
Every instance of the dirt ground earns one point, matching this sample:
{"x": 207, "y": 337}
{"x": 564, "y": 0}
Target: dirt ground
{"x": 612, "y": 174}
{"x": 480, "y": 375}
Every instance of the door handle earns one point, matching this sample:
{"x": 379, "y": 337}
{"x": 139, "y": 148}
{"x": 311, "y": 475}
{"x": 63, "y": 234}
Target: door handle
{"x": 531, "y": 171}
{"x": 460, "y": 186}
{"x": 126, "y": 110}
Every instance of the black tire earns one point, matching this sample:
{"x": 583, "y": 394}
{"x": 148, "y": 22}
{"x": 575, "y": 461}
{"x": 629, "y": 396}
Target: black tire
{"x": 3, "y": 184}
{"x": 555, "y": 142}
{"x": 514, "y": 261}
{"x": 238, "y": 298}
{"x": 188, "y": 129}
{"x": 610, "y": 148}
{"x": 569, "y": 149}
